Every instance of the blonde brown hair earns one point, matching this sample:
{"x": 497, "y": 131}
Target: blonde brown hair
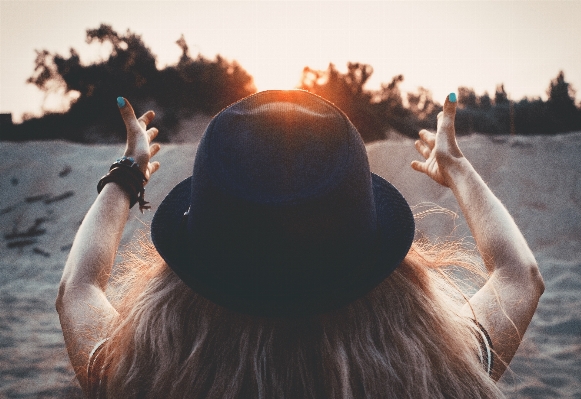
{"x": 404, "y": 339}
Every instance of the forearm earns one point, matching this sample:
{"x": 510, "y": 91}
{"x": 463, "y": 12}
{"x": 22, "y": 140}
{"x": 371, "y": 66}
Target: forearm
{"x": 93, "y": 252}
{"x": 506, "y": 304}
{"x": 497, "y": 236}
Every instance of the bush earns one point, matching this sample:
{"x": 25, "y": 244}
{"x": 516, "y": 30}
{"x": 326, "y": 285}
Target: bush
{"x": 192, "y": 85}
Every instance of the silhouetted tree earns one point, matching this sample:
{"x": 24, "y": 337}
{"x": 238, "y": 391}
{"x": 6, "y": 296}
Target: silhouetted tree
{"x": 420, "y": 112}
{"x": 484, "y": 101}
{"x": 530, "y": 117}
{"x": 372, "y": 112}
{"x": 564, "y": 115}
{"x": 192, "y": 85}
{"x": 347, "y": 92}
{"x": 500, "y": 96}
{"x": 422, "y": 104}
{"x": 466, "y": 98}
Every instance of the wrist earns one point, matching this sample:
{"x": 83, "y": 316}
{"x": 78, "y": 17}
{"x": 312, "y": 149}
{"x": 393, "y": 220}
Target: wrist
{"x": 126, "y": 174}
{"x": 140, "y": 160}
{"x": 457, "y": 171}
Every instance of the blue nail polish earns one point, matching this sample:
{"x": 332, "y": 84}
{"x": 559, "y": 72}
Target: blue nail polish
{"x": 120, "y": 102}
{"x": 452, "y": 97}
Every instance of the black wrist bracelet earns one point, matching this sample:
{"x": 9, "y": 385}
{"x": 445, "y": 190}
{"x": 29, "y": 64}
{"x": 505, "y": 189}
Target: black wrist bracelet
{"x": 129, "y": 162}
{"x": 126, "y": 173}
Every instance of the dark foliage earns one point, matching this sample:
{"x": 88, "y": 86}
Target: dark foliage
{"x": 346, "y": 92}
{"x": 376, "y": 112}
{"x": 198, "y": 84}
{"x": 561, "y": 112}
{"x": 558, "y": 114}
{"x": 372, "y": 112}
{"x": 192, "y": 85}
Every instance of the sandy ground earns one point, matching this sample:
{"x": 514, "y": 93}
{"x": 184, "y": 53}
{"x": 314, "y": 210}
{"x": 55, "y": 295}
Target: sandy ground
{"x": 47, "y": 187}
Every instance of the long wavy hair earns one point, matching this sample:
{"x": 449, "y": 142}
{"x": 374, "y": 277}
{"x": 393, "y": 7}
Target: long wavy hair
{"x": 404, "y": 339}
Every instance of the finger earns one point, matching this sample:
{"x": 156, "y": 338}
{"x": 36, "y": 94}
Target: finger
{"x": 153, "y": 149}
{"x": 153, "y": 167}
{"x": 446, "y": 121}
{"x": 446, "y": 128}
{"x": 146, "y": 119}
{"x": 419, "y": 166}
{"x": 428, "y": 137}
{"x": 152, "y": 133}
{"x": 450, "y": 106}
{"x": 127, "y": 113}
{"x": 423, "y": 149}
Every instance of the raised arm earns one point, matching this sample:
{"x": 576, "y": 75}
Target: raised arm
{"x": 83, "y": 308}
{"x": 506, "y": 303}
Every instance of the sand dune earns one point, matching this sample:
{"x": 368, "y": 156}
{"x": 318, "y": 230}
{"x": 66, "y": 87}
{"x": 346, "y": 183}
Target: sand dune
{"x": 46, "y": 188}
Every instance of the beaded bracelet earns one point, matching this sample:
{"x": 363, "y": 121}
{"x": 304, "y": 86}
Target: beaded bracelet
{"x": 126, "y": 173}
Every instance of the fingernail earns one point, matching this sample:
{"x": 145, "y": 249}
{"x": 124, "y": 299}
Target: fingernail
{"x": 452, "y": 97}
{"x": 120, "y": 102}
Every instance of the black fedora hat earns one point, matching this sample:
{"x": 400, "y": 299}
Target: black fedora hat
{"x": 282, "y": 216}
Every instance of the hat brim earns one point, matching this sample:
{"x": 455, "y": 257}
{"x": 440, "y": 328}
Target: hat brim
{"x": 394, "y": 236}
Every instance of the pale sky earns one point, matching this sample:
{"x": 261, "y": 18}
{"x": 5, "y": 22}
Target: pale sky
{"x": 437, "y": 45}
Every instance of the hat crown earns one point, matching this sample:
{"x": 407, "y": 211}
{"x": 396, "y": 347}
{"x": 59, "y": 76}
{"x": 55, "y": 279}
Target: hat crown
{"x": 271, "y": 149}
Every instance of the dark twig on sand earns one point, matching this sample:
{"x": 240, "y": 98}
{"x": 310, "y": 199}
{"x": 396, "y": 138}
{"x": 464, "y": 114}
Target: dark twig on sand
{"x": 66, "y": 170}
{"x": 6, "y": 210}
{"x": 32, "y": 231}
{"x": 60, "y": 197}
{"x": 39, "y": 251}
{"x": 36, "y": 198}
{"x": 20, "y": 243}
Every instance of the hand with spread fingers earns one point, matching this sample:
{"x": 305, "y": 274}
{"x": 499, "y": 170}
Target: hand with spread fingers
{"x": 139, "y": 138}
{"x": 440, "y": 150}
